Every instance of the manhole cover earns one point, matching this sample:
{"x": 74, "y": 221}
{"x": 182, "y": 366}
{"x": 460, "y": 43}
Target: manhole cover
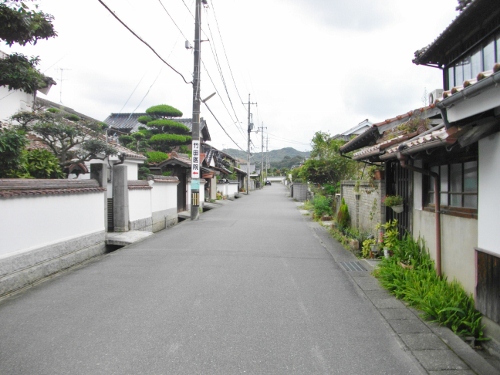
{"x": 352, "y": 266}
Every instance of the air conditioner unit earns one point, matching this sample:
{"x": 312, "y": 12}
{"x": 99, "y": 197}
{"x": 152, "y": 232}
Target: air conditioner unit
{"x": 435, "y": 95}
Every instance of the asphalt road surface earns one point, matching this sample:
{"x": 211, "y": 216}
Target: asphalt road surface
{"x": 249, "y": 288}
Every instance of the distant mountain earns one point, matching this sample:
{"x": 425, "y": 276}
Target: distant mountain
{"x": 275, "y": 156}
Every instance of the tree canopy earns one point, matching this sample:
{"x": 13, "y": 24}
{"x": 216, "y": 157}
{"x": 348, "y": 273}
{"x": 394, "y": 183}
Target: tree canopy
{"x": 71, "y": 140}
{"x": 22, "y": 25}
{"x": 326, "y": 165}
{"x": 161, "y": 131}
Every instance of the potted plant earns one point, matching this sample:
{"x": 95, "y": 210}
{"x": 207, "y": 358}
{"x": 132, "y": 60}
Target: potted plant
{"x": 395, "y": 202}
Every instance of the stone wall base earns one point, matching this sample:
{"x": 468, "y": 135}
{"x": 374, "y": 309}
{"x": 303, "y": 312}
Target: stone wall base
{"x": 23, "y": 269}
{"x": 145, "y": 225}
{"x": 164, "y": 219}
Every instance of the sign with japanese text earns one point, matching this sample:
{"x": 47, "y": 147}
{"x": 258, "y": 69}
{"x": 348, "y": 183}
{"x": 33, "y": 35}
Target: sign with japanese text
{"x": 195, "y": 160}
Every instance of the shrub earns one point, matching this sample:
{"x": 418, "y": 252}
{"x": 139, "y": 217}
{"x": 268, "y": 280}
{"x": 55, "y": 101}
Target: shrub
{"x": 42, "y": 164}
{"x": 343, "y": 217}
{"x": 410, "y": 275}
{"x": 156, "y": 156}
{"x": 322, "y": 206}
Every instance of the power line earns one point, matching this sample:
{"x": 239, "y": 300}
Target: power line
{"x": 224, "y": 104}
{"x": 178, "y": 28}
{"x": 143, "y": 41}
{"x": 219, "y": 67}
{"x": 225, "y": 54}
{"x": 218, "y": 122}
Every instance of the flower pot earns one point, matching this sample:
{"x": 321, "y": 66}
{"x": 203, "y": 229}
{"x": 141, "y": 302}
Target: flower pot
{"x": 386, "y": 252}
{"x": 398, "y": 209}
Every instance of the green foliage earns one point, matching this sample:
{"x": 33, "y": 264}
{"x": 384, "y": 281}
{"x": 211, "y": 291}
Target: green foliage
{"x": 326, "y": 165}
{"x": 17, "y": 72}
{"x": 42, "y": 164}
{"x": 163, "y": 110}
{"x": 19, "y": 24}
{"x": 156, "y": 156}
{"x": 68, "y": 141}
{"x": 164, "y": 142}
{"x": 53, "y": 110}
{"x": 72, "y": 117}
{"x": 144, "y": 119}
{"x": 12, "y": 143}
{"x": 143, "y": 173}
{"x": 125, "y": 139}
{"x": 410, "y": 275}
{"x": 22, "y": 25}
{"x": 330, "y": 189}
{"x": 367, "y": 247}
{"x": 391, "y": 234}
{"x": 343, "y": 216}
{"x": 322, "y": 205}
{"x": 169, "y": 125}
{"x": 163, "y": 134}
{"x": 392, "y": 200}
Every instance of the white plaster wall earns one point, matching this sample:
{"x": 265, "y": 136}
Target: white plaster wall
{"x": 164, "y": 196}
{"x": 222, "y": 188}
{"x": 139, "y": 202}
{"x": 232, "y": 189}
{"x": 488, "y": 197}
{"x": 13, "y": 101}
{"x": 459, "y": 238}
{"x": 33, "y": 222}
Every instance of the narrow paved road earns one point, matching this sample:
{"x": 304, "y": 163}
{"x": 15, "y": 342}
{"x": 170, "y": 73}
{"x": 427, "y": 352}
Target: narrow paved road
{"x": 250, "y": 288}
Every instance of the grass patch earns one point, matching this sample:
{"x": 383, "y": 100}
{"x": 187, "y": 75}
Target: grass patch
{"x": 410, "y": 275}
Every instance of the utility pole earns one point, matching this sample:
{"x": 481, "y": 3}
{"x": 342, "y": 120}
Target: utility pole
{"x": 195, "y": 149}
{"x": 262, "y": 156}
{"x": 250, "y": 126}
{"x": 267, "y": 153}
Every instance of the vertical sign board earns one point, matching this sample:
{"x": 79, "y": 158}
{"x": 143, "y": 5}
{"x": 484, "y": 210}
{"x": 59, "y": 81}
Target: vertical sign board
{"x": 195, "y": 166}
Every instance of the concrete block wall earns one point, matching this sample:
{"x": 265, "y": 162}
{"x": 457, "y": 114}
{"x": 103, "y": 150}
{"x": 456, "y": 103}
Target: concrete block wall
{"x": 365, "y": 203}
{"x": 299, "y": 191}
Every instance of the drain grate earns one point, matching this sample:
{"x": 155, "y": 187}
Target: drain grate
{"x": 352, "y": 266}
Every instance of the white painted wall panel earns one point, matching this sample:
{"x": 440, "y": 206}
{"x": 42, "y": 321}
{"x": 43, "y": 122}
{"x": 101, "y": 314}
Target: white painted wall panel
{"x": 33, "y": 222}
{"x": 139, "y": 202}
{"x": 489, "y": 199}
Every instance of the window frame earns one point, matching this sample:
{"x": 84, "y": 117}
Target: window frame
{"x": 445, "y": 207}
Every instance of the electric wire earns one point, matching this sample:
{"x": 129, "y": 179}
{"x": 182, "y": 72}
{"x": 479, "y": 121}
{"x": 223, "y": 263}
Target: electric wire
{"x": 143, "y": 41}
{"x": 147, "y": 93}
{"x": 224, "y": 49}
{"x": 138, "y": 83}
{"x": 223, "y": 103}
{"x": 218, "y": 122}
{"x": 219, "y": 67}
{"x": 178, "y": 28}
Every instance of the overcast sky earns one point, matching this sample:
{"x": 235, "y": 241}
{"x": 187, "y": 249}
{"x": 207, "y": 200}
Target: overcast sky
{"x": 310, "y": 65}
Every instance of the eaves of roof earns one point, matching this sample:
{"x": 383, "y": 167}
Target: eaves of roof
{"x": 470, "y": 88}
{"x": 240, "y": 171}
{"x": 176, "y": 161}
{"x": 480, "y": 18}
{"x": 373, "y": 134}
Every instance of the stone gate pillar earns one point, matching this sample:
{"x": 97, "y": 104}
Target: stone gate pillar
{"x": 120, "y": 198}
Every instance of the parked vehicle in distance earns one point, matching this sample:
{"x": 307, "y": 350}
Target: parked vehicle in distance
{"x": 268, "y": 182}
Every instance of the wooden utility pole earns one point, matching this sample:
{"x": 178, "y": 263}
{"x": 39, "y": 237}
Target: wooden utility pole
{"x": 250, "y": 125}
{"x": 196, "y": 149}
